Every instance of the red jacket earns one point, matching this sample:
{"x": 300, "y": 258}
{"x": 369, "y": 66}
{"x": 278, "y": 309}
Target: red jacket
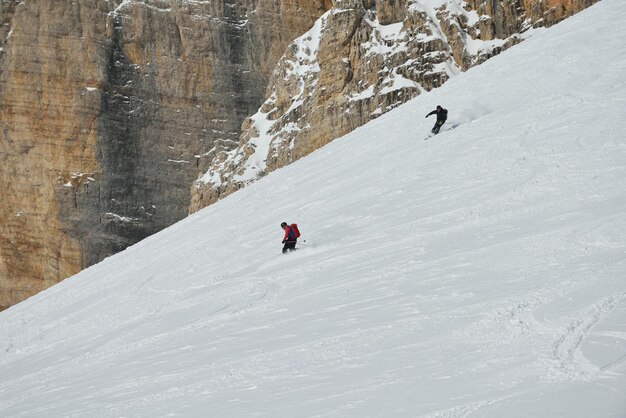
{"x": 289, "y": 235}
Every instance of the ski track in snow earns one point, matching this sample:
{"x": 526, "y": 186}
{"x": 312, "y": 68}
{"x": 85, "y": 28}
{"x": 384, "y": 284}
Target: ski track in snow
{"x": 476, "y": 274}
{"x": 567, "y": 348}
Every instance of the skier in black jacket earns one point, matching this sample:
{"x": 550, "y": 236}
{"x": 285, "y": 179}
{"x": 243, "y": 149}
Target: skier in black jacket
{"x": 442, "y": 115}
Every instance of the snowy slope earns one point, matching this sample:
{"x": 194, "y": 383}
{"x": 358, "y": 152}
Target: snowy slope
{"x": 480, "y": 273}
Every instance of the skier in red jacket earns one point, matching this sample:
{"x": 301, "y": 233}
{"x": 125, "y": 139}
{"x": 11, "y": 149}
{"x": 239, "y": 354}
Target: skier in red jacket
{"x": 290, "y": 238}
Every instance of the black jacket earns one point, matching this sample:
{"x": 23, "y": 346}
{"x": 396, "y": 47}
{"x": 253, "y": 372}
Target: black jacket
{"x": 441, "y": 114}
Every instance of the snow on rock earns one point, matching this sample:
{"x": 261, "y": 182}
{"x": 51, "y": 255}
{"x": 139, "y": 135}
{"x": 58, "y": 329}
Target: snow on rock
{"x": 358, "y": 62}
{"x": 479, "y": 273}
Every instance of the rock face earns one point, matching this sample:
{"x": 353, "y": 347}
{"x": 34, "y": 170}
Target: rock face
{"x": 108, "y": 111}
{"x": 361, "y": 59}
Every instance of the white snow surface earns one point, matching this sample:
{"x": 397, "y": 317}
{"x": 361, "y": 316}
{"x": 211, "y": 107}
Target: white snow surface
{"x": 481, "y": 273}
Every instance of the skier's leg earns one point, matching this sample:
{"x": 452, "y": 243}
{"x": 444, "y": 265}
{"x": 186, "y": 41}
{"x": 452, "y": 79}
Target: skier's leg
{"x": 438, "y": 126}
{"x": 289, "y": 246}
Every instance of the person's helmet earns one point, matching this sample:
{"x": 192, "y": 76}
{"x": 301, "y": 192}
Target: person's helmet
{"x": 439, "y": 107}
{"x": 284, "y": 224}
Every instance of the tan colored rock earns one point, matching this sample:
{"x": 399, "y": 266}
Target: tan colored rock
{"x": 371, "y": 57}
{"x": 504, "y": 19}
{"x": 391, "y": 11}
{"x": 108, "y": 111}
{"x": 47, "y": 119}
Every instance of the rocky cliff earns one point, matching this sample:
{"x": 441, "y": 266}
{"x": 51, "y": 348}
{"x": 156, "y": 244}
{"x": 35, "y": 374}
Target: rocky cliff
{"x": 361, "y": 59}
{"x": 111, "y": 109}
{"x": 108, "y": 111}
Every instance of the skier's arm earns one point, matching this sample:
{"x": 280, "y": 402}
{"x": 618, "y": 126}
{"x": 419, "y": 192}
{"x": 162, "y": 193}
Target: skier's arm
{"x": 431, "y": 113}
{"x": 287, "y": 231}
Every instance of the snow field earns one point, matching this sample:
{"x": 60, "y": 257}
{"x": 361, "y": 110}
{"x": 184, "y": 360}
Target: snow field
{"x": 480, "y": 273}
